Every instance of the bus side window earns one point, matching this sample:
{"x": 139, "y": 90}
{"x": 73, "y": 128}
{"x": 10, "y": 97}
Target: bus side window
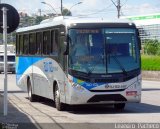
{"x": 54, "y": 42}
{"x": 32, "y": 43}
{"x": 39, "y": 43}
{"x": 26, "y": 44}
{"x": 46, "y": 43}
{"x": 21, "y": 44}
{"x": 17, "y": 44}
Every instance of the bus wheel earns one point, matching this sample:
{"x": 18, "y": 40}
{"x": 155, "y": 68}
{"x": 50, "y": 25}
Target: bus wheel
{"x": 31, "y": 97}
{"x": 119, "y": 106}
{"x": 59, "y": 105}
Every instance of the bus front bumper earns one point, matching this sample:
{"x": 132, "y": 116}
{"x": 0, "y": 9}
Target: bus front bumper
{"x": 81, "y": 95}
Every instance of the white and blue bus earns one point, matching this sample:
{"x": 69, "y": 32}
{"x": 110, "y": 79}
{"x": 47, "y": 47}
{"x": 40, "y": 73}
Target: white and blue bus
{"x": 78, "y": 61}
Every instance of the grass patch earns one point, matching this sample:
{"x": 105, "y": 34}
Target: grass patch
{"x": 151, "y": 63}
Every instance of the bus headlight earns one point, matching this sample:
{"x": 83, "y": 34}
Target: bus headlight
{"x": 133, "y": 86}
{"x": 139, "y": 82}
{"x": 77, "y": 87}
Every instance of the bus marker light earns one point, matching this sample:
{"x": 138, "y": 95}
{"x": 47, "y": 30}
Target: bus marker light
{"x": 131, "y": 93}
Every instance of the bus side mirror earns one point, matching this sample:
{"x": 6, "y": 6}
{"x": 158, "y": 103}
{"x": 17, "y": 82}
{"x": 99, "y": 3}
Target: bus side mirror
{"x": 139, "y": 40}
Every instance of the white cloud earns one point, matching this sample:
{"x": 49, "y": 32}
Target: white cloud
{"x": 147, "y": 8}
{"x": 143, "y": 9}
{"x": 102, "y": 7}
{"x": 91, "y": 6}
{"x": 22, "y": 5}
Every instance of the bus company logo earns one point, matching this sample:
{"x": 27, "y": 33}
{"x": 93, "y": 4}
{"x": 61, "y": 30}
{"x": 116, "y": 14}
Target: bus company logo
{"x": 48, "y": 67}
{"x": 91, "y": 84}
{"x": 106, "y": 86}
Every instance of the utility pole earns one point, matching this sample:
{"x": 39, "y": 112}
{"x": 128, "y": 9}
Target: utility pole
{"x": 40, "y": 12}
{"x": 118, "y": 6}
{"x": 61, "y": 6}
{"x": 4, "y": 9}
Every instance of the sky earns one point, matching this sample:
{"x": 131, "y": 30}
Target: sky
{"x": 92, "y": 8}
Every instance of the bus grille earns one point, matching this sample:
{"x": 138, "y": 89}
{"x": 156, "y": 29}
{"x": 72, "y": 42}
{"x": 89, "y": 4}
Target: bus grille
{"x": 114, "y": 97}
{"x": 106, "y": 80}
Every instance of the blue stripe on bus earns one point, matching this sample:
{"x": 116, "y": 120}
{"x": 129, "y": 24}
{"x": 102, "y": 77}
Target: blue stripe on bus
{"x": 22, "y": 63}
{"x": 87, "y": 85}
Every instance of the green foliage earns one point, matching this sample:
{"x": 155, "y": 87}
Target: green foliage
{"x": 38, "y": 19}
{"x": 152, "y": 47}
{"x": 158, "y": 51}
{"x": 66, "y": 12}
{"x": 150, "y": 62}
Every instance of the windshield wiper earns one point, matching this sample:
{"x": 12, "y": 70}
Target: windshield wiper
{"x": 93, "y": 68}
{"x": 117, "y": 61}
{"x": 121, "y": 66}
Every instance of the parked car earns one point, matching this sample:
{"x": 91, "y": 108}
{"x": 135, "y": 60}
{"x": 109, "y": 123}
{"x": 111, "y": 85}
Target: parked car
{"x": 10, "y": 62}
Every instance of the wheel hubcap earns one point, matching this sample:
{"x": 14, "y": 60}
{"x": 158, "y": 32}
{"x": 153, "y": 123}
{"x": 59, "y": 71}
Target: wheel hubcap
{"x": 57, "y": 97}
{"x": 29, "y": 91}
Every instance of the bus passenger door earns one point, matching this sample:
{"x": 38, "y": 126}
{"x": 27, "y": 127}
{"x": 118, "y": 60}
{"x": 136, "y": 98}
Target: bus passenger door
{"x": 63, "y": 64}
{"x": 36, "y": 68}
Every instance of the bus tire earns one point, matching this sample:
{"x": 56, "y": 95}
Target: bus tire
{"x": 31, "y": 96}
{"x": 58, "y": 104}
{"x": 119, "y": 106}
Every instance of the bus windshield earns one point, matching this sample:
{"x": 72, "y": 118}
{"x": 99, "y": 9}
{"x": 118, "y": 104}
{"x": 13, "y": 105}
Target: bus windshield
{"x": 103, "y": 51}
{"x": 122, "y": 50}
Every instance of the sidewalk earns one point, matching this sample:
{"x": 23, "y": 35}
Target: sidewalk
{"x": 15, "y": 118}
{"x": 151, "y": 75}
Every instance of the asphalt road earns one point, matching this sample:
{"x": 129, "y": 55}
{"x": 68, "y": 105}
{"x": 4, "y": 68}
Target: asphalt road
{"x": 22, "y": 111}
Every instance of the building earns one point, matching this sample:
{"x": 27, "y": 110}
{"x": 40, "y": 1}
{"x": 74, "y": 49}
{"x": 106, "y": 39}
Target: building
{"x": 149, "y": 25}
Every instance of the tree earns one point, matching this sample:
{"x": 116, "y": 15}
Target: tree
{"x": 66, "y": 12}
{"x": 38, "y": 19}
{"x": 152, "y": 47}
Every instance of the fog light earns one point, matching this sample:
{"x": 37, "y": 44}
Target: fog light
{"x": 131, "y": 93}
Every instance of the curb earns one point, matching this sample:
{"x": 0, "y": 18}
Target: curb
{"x": 151, "y": 75}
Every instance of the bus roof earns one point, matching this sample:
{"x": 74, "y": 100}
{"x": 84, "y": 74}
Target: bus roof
{"x": 67, "y": 20}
